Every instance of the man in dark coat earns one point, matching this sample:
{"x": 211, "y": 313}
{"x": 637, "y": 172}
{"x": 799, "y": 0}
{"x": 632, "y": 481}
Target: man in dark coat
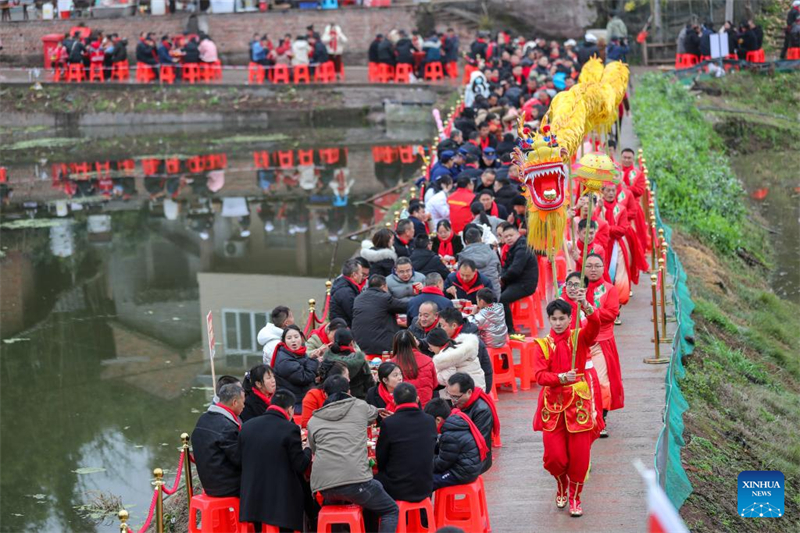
{"x": 427, "y": 321}
{"x": 520, "y": 274}
{"x": 215, "y": 441}
{"x": 344, "y": 290}
{"x": 505, "y": 192}
{"x": 425, "y": 260}
{"x": 404, "y": 238}
{"x": 416, "y": 214}
{"x": 405, "y": 49}
{"x": 386, "y": 52}
{"x": 465, "y": 282}
{"x": 374, "y": 321}
{"x": 475, "y": 403}
{"x": 405, "y": 448}
{"x": 274, "y": 459}
{"x": 373, "y": 48}
{"x": 458, "y": 459}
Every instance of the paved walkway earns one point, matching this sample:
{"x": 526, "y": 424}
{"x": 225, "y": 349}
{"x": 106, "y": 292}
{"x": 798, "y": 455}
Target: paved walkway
{"x": 521, "y": 494}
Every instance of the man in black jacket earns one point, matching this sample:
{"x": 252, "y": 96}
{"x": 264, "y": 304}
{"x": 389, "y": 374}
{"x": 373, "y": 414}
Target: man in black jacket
{"x": 405, "y": 49}
{"x": 425, "y": 260}
{"x": 452, "y": 322}
{"x": 386, "y": 52}
{"x": 417, "y": 216}
{"x": 475, "y": 403}
{"x": 520, "y": 274}
{"x": 374, "y": 321}
{"x": 405, "y": 448}
{"x": 344, "y": 290}
{"x": 215, "y": 441}
{"x": 373, "y": 48}
{"x": 404, "y": 238}
{"x": 458, "y": 459}
{"x": 272, "y": 490}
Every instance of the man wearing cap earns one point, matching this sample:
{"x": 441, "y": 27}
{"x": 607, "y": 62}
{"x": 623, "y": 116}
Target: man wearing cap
{"x": 587, "y": 49}
{"x": 489, "y": 158}
{"x": 444, "y": 166}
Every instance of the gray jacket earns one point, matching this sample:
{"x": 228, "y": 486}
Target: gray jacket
{"x": 403, "y": 289}
{"x": 486, "y": 260}
{"x": 491, "y": 322}
{"x": 337, "y": 434}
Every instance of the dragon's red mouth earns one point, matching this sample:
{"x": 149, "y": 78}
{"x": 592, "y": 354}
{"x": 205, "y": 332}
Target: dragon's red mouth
{"x": 546, "y": 184}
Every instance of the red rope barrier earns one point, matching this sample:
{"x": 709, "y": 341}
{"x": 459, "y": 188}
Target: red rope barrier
{"x": 177, "y": 477}
{"x": 310, "y": 321}
{"x": 147, "y": 522}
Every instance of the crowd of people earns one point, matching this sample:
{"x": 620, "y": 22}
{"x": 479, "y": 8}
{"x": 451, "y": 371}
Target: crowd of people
{"x": 404, "y": 353}
{"x": 695, "y": 39}
{"x": 309, "y": 49}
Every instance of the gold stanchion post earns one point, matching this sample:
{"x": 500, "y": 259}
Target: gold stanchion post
{"x": 663, "y": 270}
{"x": 657, "y": 359}
{"x": 328, "y": 285}
{"x": 123, "y": 521}
{"x": 187, "y": 468}
{"x": 312, "y": 305}
{"x": 654, "y": 239}
{"x": 396, "y": 217}
{"x": 159, "y": 485}
{"x": 413, "y": 192}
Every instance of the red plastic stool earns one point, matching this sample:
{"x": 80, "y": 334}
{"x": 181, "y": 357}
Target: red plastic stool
{"x": 305, "y": 157}
{"x": 248, "y": 527}
{"x": 75, "y": 72}
{"x": 217, "y": 515}
{"x": 372, "y": 72}
{"x": 325, "y": 73}
{"x": 756, "y": 56}
{"x": 255, "y": 73}
{"x": 285, "y": 158}
{"x": 433, "y": 71}
{"x": 191, "y": 72}
{"x": 524, "y": 313}
{"x": 57, "y": 73}
{"x": 793, "y": 54}
{"x": 503, "y": 376}
{"x": 121, "y": 71}
{"x": 460, "y": 509}
{"x": 467, "y": 513}
{"x": 329, "y": 156}
{"x": 144, "y": 73}
{"x": 468, "y": 70}
{"x": 301, "y": 74}
{"x": 280, "y": 74}
{"x": 96, "y": 71}
{"x": 523, "y": 369}
{"x": 196, "y": 164}
{"x": 410, "y": 520}
{"x": 452, "y": 69}
{"x": 167, "y": 74}
{"x": 385, "y": 73}
{"x": 402, "y": 73}
{"x": 332, "y": 515}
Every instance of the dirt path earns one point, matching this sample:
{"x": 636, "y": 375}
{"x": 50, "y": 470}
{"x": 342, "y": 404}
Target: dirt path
{"x": 521, "y": 493}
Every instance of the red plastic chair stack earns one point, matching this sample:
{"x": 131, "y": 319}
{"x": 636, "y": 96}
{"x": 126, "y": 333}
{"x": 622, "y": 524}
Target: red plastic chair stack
{"x": 121, "y": 71}
{"x": 469, "y": 513}
{"x": 325, "y": 73}
{"x": 255, "y": 73}
{"x": 286, "y": 159}
{"x": 793, "y": 54}
{"x": 527, "y": 312}
{"x": 217, "y": 515}
{"x": 261, "y": 159}
{"x": 191, "y": 72}
{"x": 96, "y": 71}
{"x": 329, "y": 156}
{"x": 503, "y": 367}
{"x": 173, "y": 166}
{"x": 280, "y": 74}
{"x": 411, "y": 517}
{"x": 524, "y": 369}
{"x": 144, "y": 73}
{"x": 75, "y": 72}
{"x": 756, "y": 56}
{"x": 301, "y": 74}
{"x": 335, "y": 515}
{"x": 167, "y": 74}
{"x": 452, "y": 70}
{"x": 372, "y": 72}
{"x": 196, "y": 164}
{"x": 385, "y": 73}
{"x": 305, "y": 157}
{"x": 683, "y": 61}
{"x": 402, "y": 73}
{"x": 434, "y": 72}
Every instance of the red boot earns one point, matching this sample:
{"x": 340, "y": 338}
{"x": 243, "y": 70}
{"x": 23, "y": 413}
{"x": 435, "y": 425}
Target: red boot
{"x": 561, "y": 491}
{"x": 575, "y": 489}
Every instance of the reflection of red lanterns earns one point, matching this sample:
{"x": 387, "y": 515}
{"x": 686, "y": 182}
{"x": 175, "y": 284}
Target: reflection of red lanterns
{"x": 3, "y": 175}
{"x": 759, "y": 194}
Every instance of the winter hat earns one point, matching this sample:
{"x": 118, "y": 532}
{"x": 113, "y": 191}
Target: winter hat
{"x": 590, "y": 38}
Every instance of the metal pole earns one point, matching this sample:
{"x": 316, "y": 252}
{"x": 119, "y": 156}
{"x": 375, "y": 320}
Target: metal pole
{"x": 663, "y": 270}
{"x": 159, "y": 485}
{"x": 123, "y": 519}
{"x": 312, "y": 304}
{"x": 187, "y": 469}
{"x": 657, "y": 360}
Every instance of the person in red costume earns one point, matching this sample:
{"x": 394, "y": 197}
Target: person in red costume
{"x": 633, "y": 185}
{"x": 605, "y": 357}
{"x": 618, "y": 254}
{"x": 576, "y": 250}
{"x": 566, "y": 409}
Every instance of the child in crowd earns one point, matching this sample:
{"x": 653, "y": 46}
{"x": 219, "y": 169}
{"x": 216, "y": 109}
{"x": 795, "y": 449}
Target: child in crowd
{"x": 460, "y": 449}
{"x": 490, "y": 319}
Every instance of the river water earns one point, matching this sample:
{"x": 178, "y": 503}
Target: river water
{"x": 114, "y": 249}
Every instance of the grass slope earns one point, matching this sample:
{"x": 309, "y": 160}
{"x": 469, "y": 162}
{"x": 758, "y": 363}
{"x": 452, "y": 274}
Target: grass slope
{"x": 743, "y": 380}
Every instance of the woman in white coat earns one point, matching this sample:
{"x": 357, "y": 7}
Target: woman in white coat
{"x": 451, "y": 356}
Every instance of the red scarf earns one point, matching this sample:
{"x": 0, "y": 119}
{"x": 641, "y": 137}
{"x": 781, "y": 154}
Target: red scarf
{"x": 494, "y": 211}
{"x": 466, "y": 287}
{"x": 334, "y": 42}
{"x": 430, "y": 328}
{"x": 409, "y": 405}
{"x": 344, "y": 350}
{"x": 432, "y": 290}
{"x": 446, "y": 247}
{"x": 322, "y": 334}
{"x": 281, "y": 410}
{"x": 504, "y": 253}
{"x": 235, "y": 418}
{"x": 478, "y": 393}
{"x": 485, "y": 143}
{"x": 483, "y": 449}
{"x": 359, "y": 286}
{"x": 608, "y": 208}
{"x": 405, "y": 242}
{"x": 575, "y": 309}
{"x": 387, "y": 398}
{"x": 457, "y": 332}
{"x": 260, "y": 395}
{"x": 439, "y": 427}
{"x": 563, "y": 344}
{"x": 301, "y": 352}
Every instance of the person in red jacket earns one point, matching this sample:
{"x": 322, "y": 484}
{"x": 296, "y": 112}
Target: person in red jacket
{"x": 634, "y": 180}
{"x": 460, "y": 202}
{"x": 566, "y": 411}
{"x": 618, "y": 253}
{"x": 417, "y": 367}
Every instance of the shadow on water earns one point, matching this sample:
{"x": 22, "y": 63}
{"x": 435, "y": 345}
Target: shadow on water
{"x": 120, "y": 250}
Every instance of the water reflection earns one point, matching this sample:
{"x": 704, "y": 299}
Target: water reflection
{"x": 106, "y": 282}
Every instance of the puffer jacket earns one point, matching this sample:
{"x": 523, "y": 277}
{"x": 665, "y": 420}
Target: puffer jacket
{"x": 481, "y": 415}
{"x": 380, "y": 261}
{"x": 521, "y": 267}
{"x": 215, "y": 441}
{"x": 338, "y": 437}
{"x": 458, "y": 451}
{"x": 491, "y": 322}
{"x": 426, "y": 380}
{"x": 403, "y": 289}
{"x": 486, "y": 260}
{"x": 296, "y": 374}
{"x": 360, "y": 374}
{"x": 427, "y": 262}
{"x": 270, "y": 336}
{"x": 483, "y": 354}
{"x": 461, "y": 358}
{"x": 343, "y": 294}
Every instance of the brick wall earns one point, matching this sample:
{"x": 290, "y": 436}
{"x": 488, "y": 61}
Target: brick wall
{"x": 23, "y": 45}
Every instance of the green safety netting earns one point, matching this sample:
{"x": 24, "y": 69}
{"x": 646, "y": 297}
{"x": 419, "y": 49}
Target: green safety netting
{"x": 669, "y": 468}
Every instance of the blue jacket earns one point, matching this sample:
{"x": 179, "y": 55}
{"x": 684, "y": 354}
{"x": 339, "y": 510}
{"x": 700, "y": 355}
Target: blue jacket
{"x": 414, "y": 303}
{"x": 163, "y": 56}
{"x": 257, "y": 52}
